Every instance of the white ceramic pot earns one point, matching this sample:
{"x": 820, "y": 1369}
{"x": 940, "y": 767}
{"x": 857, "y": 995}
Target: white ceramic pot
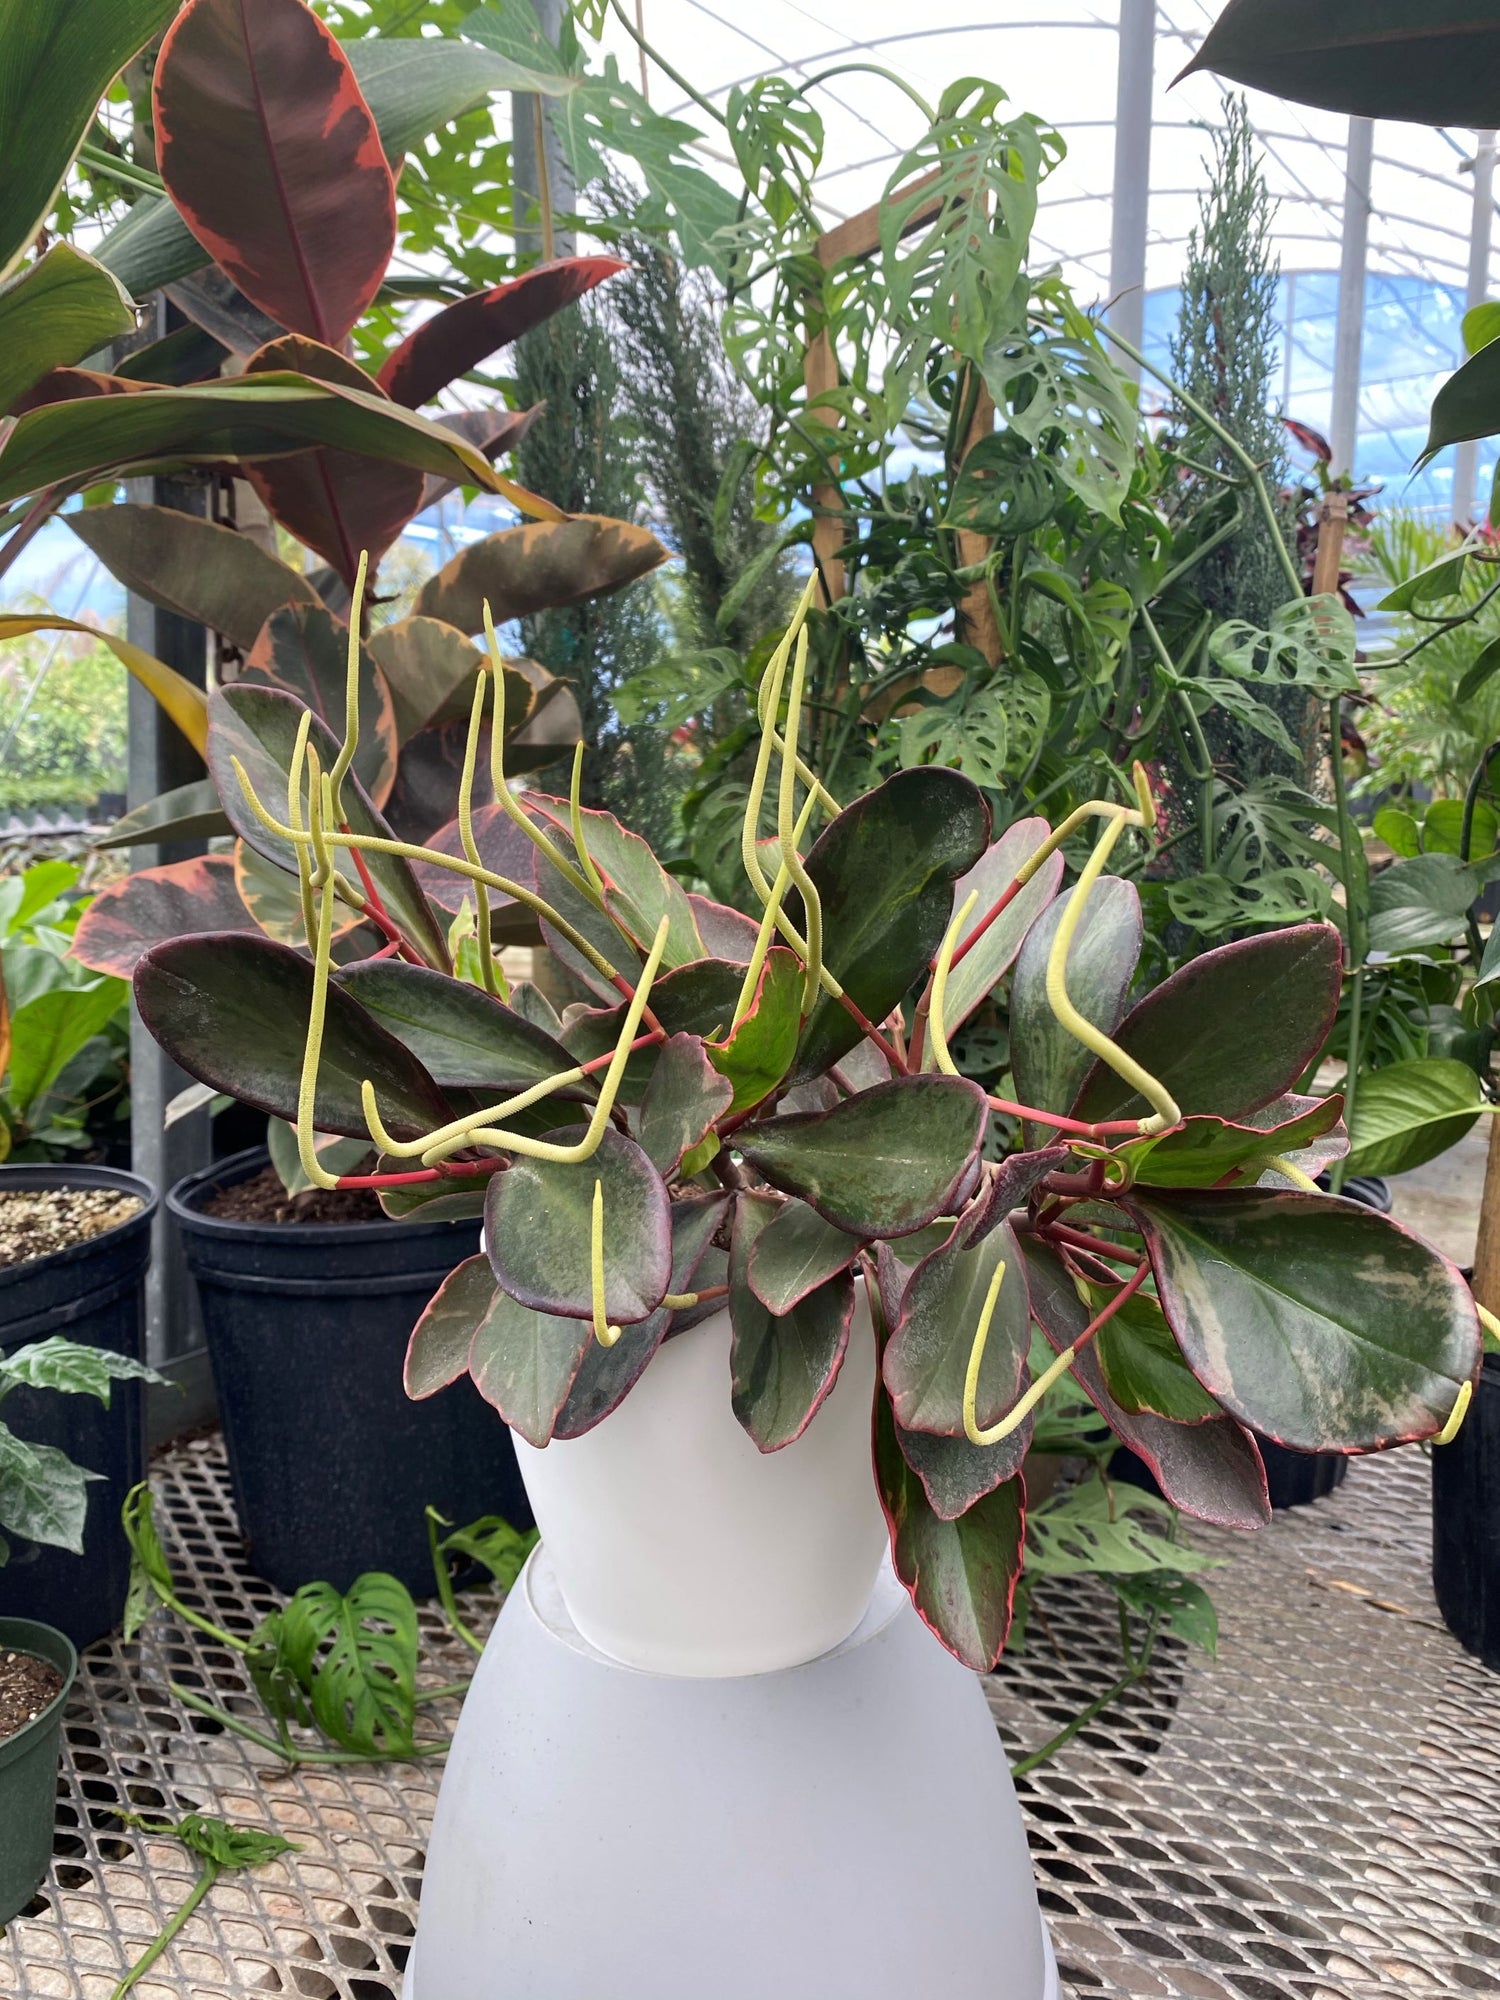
{"x": 680, "y": 1549}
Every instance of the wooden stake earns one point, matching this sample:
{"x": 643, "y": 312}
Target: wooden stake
{"x": 1333, "y": 525}
{"x": 1487, "y": 1250}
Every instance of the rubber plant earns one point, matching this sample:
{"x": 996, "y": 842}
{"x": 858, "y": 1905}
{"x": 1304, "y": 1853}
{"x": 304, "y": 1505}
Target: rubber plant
{"x": 253, "y": 104}
{"x": 768, "y": 1113}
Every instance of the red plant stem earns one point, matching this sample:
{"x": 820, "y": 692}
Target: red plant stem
{"x": 1078, "y": 1239}
{"x": 892, "y": 1054}
{"x": 423, "y": 1176}
{"x": 713, "y": 1292}
{"x": 622, "y": 985}
{"x": 1074, "y": 1126}
{"x": 376, "y": 911}
{"x": 985, "y": 921}
{"x": 386, "y": 949}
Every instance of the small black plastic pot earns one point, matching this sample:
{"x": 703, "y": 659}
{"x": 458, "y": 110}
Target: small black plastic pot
{"x": 1466, "y": 1522}
{"x": 28, "y": 1770}
{"x": 93, "y": 1293}
{"x": 307, "y": 1325}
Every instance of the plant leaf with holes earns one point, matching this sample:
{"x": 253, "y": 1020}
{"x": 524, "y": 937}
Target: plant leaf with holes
{"x": 355, "y": 1652}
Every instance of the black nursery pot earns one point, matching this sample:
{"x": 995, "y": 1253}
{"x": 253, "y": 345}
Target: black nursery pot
{"x": 307, "y": 1325}
{"x": 93, "y": 1293}
{"x": 1466, "y": 1522}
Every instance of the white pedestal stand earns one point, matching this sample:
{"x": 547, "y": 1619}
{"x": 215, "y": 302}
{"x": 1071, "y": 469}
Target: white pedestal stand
{"x": 842, "y": 1830}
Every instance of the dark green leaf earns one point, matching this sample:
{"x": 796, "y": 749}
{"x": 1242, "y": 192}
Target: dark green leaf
{"x": 1143, "y": 1367}
{"x": 60, "y": 58}
{"x": 1323, "y": 1324}
{"x": 975, "y": 975}
{"x": 1431, "y": 585}
{"x": 1468, "y": 404}
{"x": 463, "y": 1038}
{"x": 794, "y": 1253}
{"x": 355, "y": 1652}
{"x": 885, "y": 870}
{"x": 55, "y": 312}
{"x": 49, "y": 1031}
{"x": 258, "y": 727}
{"x": 884, "y": 1163}
{"x": 493, "y": 1541}
{"x": 608, "y": 1374}
{"x": 1481, "y": 673}
{"x": 80, "y": 442}
{"x": 927, "y": 1356}
{"x": 150, "y": 1572}
{"x": 1419, "y": 903}
{"x": 1230, "y": 1030}
{"x": 539, "y": 1227}
{"x": 1212, "y": 1471}
{"x": 1049, "y": 1063}
{"x": 188, "y": 812}
{"x": 1408, "y": 1112}
{"x": 684, "y": 1097}
{"x": 1431, "y": 62}
{"x": 196, "y": 568}
{"x": 961, "y": 1574}
{"x": 234, "y": 1012}
{"x": 781, "y": 1367}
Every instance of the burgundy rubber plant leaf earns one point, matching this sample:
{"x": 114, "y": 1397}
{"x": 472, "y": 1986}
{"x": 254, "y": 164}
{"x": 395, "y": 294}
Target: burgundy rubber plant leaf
{"x": 273, "y": 159}
{"x": 339, "y": 503}
{"x": 538, "y": 567}
{"x": 186, "y": 898}
{"x": 461, "y": 336}
{"x": 303, "y": 650}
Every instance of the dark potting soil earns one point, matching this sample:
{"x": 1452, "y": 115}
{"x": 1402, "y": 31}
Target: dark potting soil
{"x": 35, "y": 1222}
{"x": 26, "y": 1686}
{"x": 262, "y": 1198}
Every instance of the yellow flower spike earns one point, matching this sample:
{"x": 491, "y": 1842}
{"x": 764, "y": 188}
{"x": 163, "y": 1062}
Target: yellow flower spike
{"x": 294, "y": 814}
{"x": 768, "y": 926}
{"x": 1290, "y": 1171}
{"x": 791, "y": 860}
{"x": 351, "y": 692}
{"x": 770, "y": 695}
{"x": 466, "y": 833}
{"x": 1145, "y": 804}
{"x": 317, "y": 825}
{"x": 1455, "y": 1423}
{"x": 307, "y": 1089}
{"x": 1165, "y": 1110}
{"x": 503, "y": 797}
{"x": 366, "y": 843}
{"x": 575, "y": 820}
{"x": 604, "y": 1333}
{"x": 1491, "y": 1326}
{"x": 936, "y": 1032}
{"x": 477, "y": 1129}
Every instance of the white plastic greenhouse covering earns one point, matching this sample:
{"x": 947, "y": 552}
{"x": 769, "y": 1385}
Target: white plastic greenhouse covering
{"x": 1103, "y": 76}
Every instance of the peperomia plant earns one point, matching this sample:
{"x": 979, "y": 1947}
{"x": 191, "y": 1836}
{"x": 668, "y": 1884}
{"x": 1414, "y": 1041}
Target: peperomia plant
{"x": 766, "y": 1115}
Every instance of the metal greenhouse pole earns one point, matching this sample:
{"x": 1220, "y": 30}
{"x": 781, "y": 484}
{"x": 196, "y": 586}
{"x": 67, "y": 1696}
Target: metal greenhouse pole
{"x": 1132, "y": 186}
{"x": 1481, "y": 235}
{"x": 1350, "y": 338}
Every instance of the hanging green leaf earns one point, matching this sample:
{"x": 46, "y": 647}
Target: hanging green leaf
{"x": 55, "y": 312}
{"x": 756, "y": 1056}
{"x": 1407, "y": 1113}
{"x": 526, "y": 1362}
{"x": 781, "y": 1366}
{"x": 355, "y": 1652}
{"x": 927, "y": 1356}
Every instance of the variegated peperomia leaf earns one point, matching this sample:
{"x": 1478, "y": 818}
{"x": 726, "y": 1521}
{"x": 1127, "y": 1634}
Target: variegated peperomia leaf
{"x": 464, "y": 1039}
{"x": 975, "y": 974}
{"x": 684, "y": 1097}
{"x": 794, "y": 1253}
{"x": 438, "y": 1352}
{"x": 1231, "y": 1030}
{"x": 1212, "y": 1471}
{"x": 884, "y": 1163}
{"x": 781, "y": 1367}
{"x": 234, "y": 1012}
{"x": 1142, "y": 1364}
{"x": 885, "y": 870}
{"x": 927, "y": 1356}
{"x": 525, "y": 1363}
{"x": 539, "y": 1231}
{"x": 1049, "y": 1063}
{"x": 961, "y": 1574}
{"x": 756, "y": 1055}
{"x": 1202, "y": 1152}
{"x": 1326, "y": 1326}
